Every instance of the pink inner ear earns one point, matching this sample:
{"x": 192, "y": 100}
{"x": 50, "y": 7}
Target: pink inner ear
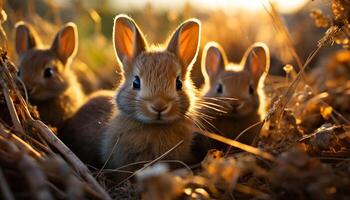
{"x": 124, "y": 40}
{"x": 188, "y": 43}
{"x": 186, "y": 39}
{"x": 67, "y": 43}
{"x": 255, "y": 63}
{"x": 24, "y": 39}
{"x": 213, "y": 60}
{"x": 128, "y": 39}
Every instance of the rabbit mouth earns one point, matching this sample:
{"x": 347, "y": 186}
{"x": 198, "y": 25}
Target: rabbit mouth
{"x": 158, "y": 119}
{"x": 235, "y": 108}
{"x": 161, "y": 119}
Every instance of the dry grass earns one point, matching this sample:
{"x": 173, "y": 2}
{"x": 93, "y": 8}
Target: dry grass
{"x": 302, "y": 152}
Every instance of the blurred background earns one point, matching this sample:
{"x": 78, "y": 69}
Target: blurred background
{"x": 235, "y": 24}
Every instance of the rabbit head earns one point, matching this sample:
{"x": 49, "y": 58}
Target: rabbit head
{"x": 234, "y": 86}
{"x": 156, "y": 86}
{"x": 46, "y": 73}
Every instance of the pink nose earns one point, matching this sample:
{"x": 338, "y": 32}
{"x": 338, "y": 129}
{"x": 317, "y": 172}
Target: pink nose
{"x": 159, "y": 106}
{"x": 236, "y": 104}
{"x": 159, "y": 109}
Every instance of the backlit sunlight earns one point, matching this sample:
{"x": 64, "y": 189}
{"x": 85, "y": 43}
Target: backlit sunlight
{"x": 284, "y": 6}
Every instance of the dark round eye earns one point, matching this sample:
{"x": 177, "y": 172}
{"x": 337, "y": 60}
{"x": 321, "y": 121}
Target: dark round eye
{"x": 178, "y": 83}
{"x": 219, "y": 88}
{"x": 251, "y": 89}
{"x": 48, "y": 72}
{"x": 136, "y": 84}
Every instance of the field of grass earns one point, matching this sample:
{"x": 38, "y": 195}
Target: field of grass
{"x": 302, "y": 151}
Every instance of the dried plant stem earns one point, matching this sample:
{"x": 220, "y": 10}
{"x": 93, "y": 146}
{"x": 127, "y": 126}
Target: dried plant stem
{"x": 280, "y": 26}
{"x": 28, "y": 166}
{"x": 19, "y": 142}
{"x": 35, "y": 177}
{"x": 261, "y": 123}
{"x": 44, "y": 131}
{"x": 109, "y": 157}
{"x": 290, "y": 90}
{"x": 152, "y": 162}
{"x": 79, "y": 166}
{"x": 12, "y": 110}
{"x": 239, "y": 145}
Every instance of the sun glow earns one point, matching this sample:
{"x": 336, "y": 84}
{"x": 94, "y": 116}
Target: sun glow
{"x": 284, "y": 6}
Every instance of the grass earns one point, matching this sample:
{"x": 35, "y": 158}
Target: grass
{"x": 289, "y": 160}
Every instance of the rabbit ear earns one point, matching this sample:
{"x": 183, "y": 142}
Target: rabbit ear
{"x": 257, "y": 60}
{"x": 65, "y": 44}
{"x": 213, "y": 59}
{"x": 184, "y": 42}
{"x": 25, "y": 38}
{"x": 128, "y": 40}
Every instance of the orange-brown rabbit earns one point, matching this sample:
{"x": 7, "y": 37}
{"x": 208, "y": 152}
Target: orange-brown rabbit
{"x": 153, "y": 105}
{"x": 50, "y": 81}
{"x": 235, "y": 88}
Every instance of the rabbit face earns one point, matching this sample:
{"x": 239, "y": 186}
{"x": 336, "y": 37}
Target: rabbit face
{"x": 43, "y": 75}
{"x": 156, "y": 88}
{"x": 234, "y": 85}
{"x": 46, "y": 73}
{"x": 157, "y": 91}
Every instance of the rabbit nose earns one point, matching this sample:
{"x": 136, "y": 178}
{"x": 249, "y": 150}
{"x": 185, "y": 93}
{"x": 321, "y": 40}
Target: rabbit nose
{"x": 237, "y": 105}
{"x": 159, "y": 108}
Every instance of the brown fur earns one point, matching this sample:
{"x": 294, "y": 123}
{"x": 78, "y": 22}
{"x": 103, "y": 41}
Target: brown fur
{"x": 240, "y": 83}
{"x": 140, "y": 132}
{"x": 81, "y": 132}
{"x": 59, "y": 96}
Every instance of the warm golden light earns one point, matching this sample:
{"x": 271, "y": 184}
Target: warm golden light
{"x": 284, "y": 6}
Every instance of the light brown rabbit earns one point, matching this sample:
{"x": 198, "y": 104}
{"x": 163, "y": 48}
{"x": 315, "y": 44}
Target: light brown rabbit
{"x": 46, "y": 72}
{"x": 234, "y": 87}
{"x": 154, "y": 102}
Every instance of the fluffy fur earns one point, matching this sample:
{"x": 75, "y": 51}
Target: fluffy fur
{"x": 235, "y": 88}
{"x": 60, "y": 95}
{"x": 147, "y": 121}
{"x": 141, "y": 132}
{"x": 82, "y": 132}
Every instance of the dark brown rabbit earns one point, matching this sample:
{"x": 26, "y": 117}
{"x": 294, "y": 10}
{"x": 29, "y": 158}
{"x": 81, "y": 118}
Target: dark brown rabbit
{"x": 47, "y": 73}
{"x": 151, "y": 110}
{"x": 235, "y": 90}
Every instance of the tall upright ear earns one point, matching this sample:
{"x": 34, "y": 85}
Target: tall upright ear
{"x": 257, "y": 60}
{"x": 65, "y": 44}
{"x": 128, "y": 40}
{"x": 25, "y": 38}
{"x": 213, "y": 59}
{"x": 184, "y": 42}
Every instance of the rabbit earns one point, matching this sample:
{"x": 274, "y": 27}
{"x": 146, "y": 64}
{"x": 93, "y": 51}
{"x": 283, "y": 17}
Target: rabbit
{"x": 233, "y": 87}
{"x": 153, "y": 108}
{"x": 47, "y": 73}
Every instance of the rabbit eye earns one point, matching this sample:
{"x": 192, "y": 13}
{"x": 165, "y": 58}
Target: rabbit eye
{"x": 48, "y": 72}
{"x": 219, "y": 88}
{"x": 136, "y": 84}
{"x": 251, "y": 89}
{"x": 178, "y": 83}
